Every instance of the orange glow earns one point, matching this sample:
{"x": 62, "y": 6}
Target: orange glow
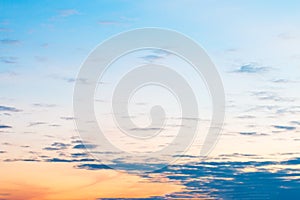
{"x": 37, "y": 181}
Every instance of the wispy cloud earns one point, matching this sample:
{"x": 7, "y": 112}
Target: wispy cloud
{"x": 44, "y": 105}
{"x": 10, "y": 41}
{"x": 8, "y": 59}
{"x": 288, "y": 128}
{"x": 251, "y": 69}
{"x": 248, "y": 133}
{"x": 36, "y": 123}
{"x": 68, "y": 12}
{"x": 109, "y": 22}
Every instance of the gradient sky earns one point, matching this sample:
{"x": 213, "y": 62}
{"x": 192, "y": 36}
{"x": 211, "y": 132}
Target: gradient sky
{"x": 255, "y": 46}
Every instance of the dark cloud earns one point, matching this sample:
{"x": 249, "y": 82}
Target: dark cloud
{"x": 227, "y": 180}
{"x": 288, "y": 128}
{"x": 9, "y": 109}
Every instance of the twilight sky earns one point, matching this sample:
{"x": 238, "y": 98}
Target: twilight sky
{"x": 255, "y": 46}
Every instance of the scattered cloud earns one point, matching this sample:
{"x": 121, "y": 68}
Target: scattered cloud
{"x": 10, "y": 41}
{"x": 5, "y": 30}
{"x": 288, "y": 128}
{"x": 68, "y": 12}
{"x": 44, "y": 105}
{"x": 248, "y": 133}
{"x": 36, "y": 123}
{"x": 295, "y": 122}
{"x": 8, "y": 59}
{"x": 251, "y": 69}
{"x": 84, "y": 146}
{"x": 57, "y": 146}
{"x": 109, "y": 22}
{"x": 5, "y": 126}
{"x": 67, "y": 118}
{"x": 265, "y": 95}
{"x": 9, "y": 109}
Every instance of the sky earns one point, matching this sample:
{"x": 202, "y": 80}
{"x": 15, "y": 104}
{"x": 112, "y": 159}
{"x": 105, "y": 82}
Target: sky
{"x": 255, "y": 48}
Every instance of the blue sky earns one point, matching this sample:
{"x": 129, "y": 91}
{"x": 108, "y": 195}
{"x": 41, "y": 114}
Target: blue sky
{"x": 254, "y": 45}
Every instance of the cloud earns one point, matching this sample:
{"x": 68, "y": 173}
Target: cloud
{"x": 8, "y": 59}
{"x": 248, "y": 133}
{"x": 84, "y": 146}
{"x": 5, "y": 126}
{"x": 265, "y": 95}
{"x": 9, "y": 109}
{"x": 44, "y": 105}
{"x": 295, "y": 122}
{"x": 251, "y": 69}
{"x": 92, "y": 166}
{"x": 5, "y": 30}
{"x": 109, "y": 22}
{"x": 57, "y": 146}
{"x": 68, "y": 12}
{"x": 68, "y": 118}
{"x": 72, "y": 160}
{"x": 76, "y": 155}
{"x": 36, "y": 123}
{"x": 288, "y": 128}
{"x": 151, "y": 58}
{"x": 280, "y": 81}
{"x": 10, "y": 42}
